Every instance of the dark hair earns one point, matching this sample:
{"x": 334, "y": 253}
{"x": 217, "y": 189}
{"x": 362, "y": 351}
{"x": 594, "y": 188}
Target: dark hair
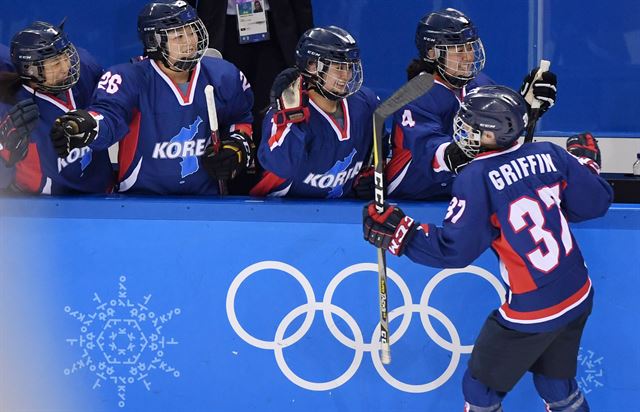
{"x": 10, "y": 83}
{"x": 417, "y": 66}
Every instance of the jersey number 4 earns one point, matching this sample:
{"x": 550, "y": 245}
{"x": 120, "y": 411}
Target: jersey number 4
{"x": 548, "y": 198}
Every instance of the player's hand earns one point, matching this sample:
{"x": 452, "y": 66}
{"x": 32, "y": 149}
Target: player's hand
{"x": 15, "y": 128}
{"x": 234, "y": 156}
{"x": 364, "y": 185}
{"x": 391, "y": 230}
{"x": 290, "y": 97}
{"x": 544, "y": 89}
{"x": 455, "y": 159}
{"x": 76, "y": 129}
{"x": 585, "y": 147}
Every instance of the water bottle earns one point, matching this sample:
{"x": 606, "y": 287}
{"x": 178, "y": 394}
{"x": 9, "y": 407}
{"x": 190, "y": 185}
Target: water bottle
{"x": 636, "y": 166}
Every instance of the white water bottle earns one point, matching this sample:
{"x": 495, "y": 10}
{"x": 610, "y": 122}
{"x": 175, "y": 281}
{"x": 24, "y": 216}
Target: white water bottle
{"x": 636, "y": 166}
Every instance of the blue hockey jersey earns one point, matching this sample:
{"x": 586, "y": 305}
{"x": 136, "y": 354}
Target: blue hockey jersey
{"x": 161, "y": 129}
{"x": 83, "y": 170}
{"x": 518, "y": 202}
{"x": 418, "y": 131}
{"x": 320, "y": 158}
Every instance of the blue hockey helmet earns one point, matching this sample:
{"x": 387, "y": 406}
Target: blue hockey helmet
{"x": 43, "y": 55}
{"x": 329, "y": 58}
{"x": 172, "y": 33}
{"x": 496, "y": 109}
{"x": 458, "y": 53}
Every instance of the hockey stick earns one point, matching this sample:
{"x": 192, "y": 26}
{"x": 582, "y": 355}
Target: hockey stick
{"x": 213, "y": 126}
{"x": 413, "y": 89}
{"x": 535, "y": 103}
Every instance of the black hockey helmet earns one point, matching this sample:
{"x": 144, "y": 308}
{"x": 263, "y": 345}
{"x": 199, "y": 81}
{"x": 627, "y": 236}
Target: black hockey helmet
{"x": 496, "y": 109}
{"x": 449, "y": 32}
{"x": 157, "y": 22}
{"x": 40, "y": 44}
{"x": 323, "y": 47}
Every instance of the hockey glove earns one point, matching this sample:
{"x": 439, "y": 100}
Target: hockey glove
{"x": 234, "y": 156}
{"x": 76, "y": 129}
{"x": 364, "y": 185}
{"x": 585, "y": 147}
{"x": 15, "y": 128}
{"x": 391, "y": 230}
{"x": 290, "y": 97}
{"x": 544, "y": 89}
{"x": 455, "y": 159}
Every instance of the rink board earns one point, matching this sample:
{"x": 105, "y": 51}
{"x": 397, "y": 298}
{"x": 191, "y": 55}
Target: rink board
{"x": 239, "y": 305}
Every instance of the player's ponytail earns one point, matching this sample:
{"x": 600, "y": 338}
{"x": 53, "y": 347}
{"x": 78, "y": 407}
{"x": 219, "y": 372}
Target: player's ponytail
{"x": 10, "y": 83}
{"x": 417, "y": 66}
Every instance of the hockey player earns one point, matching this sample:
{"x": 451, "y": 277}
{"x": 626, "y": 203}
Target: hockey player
{"x": 156, "y": 108}
{"x": 317, "y": 133}
{"x": 51, "y": 78}
{"x": 516, "y": 199}
{"x": 449, "y": 46}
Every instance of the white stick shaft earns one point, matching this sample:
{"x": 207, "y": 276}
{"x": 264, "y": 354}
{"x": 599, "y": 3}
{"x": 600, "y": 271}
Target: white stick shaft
{"x": 544, "y": 67}
{"x": 211, "y": 108}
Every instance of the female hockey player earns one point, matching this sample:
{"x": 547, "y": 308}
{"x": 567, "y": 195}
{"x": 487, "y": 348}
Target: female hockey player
{"x": 516, "y": 199}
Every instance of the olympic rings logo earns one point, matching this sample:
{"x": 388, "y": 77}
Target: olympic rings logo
{"x": 358, "y": 344}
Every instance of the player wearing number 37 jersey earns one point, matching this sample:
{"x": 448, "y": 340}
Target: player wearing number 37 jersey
{"x": 518, "y": 200}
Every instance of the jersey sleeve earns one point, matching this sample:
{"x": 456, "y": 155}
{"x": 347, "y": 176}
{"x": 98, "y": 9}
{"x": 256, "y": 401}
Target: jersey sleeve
{"x": 586, "y": 195}
{"x": 238, "y": 101}
{"x": 91, "y": 67}
{"x": 113, "y": 103}
{"x": 418, "y": 133}
{"x": 282, "y": 148}
{"x": 466, "y": 231}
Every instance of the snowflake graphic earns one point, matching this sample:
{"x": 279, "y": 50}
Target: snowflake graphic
{"x": 590, "y": 370}
{"x": 122, "y": 342}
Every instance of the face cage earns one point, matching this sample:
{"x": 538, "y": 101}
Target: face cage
{"x": 466, "y": 137}
{"x": 331, "y": 73}
{"x": 189, "y": 52}
{"x": 35, "y": 71}
{"x": 453, "y": 61}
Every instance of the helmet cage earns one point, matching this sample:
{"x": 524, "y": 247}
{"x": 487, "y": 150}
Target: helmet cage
{"x": 454, "y": 61}
{"x": 466, "y": 137}
{"x": 175, "y": 47}
{"x": 337, "y": 79}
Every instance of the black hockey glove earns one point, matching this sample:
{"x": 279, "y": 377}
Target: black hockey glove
{"x": 364, "y": 185}
{"x": 391, "y": 230}
{"x": 455, "y": 159}
{"x": 544, "y": 89}
{"x": 585, "y": 147}
{"x": 15, "y": 128}
{"x": 290, "y": 97}
{"x": 73, "y": 130}
{"x": 234, "y": 156}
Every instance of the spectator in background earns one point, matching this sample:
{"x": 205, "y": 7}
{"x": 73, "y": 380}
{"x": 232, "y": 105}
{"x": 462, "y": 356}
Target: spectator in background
{"x": 262, "y": 58}
{"x": 320, "y": 125}
{"x": 423, "y": 158}
{"x": 156, "y": 109}
{"x": 51, "y": 78}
